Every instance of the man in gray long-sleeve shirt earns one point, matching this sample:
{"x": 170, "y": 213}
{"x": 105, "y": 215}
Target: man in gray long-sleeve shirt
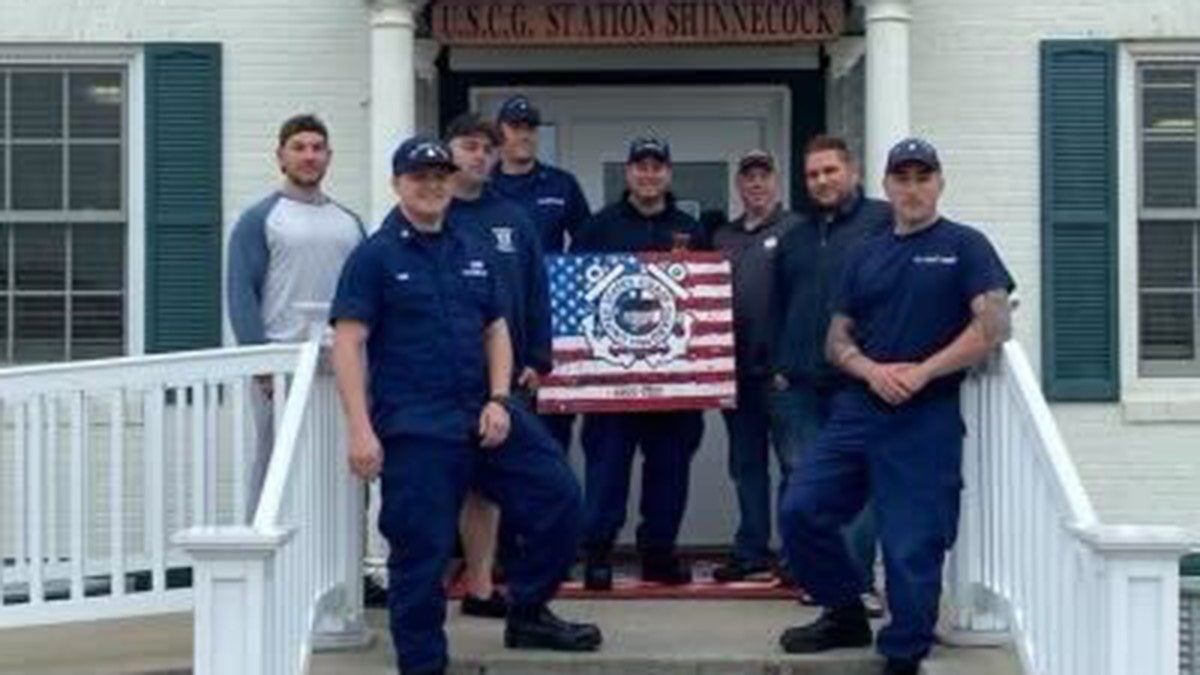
{"x": 286, "y": 249}
{"x": 751, "y": 242}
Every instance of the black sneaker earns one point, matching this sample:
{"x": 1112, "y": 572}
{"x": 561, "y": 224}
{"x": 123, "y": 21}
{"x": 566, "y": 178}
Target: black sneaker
{"x": 665, "y": 568}
{"x": 539, "y": 628}
{"x": 902, "y": 667}
{"x": 835, "y": 629}
{"x": 494, "y": 607}
{"x": 598, "y": 574}
{"x": 739, "y": 570}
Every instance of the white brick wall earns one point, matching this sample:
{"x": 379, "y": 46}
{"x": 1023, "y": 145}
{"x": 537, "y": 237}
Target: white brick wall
{"x": 975, "y": 93}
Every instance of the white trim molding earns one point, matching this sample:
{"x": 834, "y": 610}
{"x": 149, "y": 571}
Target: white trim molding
{"x": 1144, "y": 399}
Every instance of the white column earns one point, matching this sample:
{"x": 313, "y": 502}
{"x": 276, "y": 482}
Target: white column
{"x": 888, "y": 84}
{"x": 393, "y": 92}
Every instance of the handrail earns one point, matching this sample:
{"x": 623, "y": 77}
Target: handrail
{"x": 108, "y": 458}
{"x": 1034, "y": 564}
{"x": 299, "y": 563}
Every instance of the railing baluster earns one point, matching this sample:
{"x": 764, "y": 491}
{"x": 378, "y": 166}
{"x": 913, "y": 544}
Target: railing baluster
{"x": 79, "y": 492}
{"x": 37, "y": 460}
{"x": 198, "y": 454}
{"x": 180, "y": 455}
{"x": 240, "y": 467}
{"x": 20, "y": 498}
{"x": 156, "y": 478}
{"x": 116, "y": 422}
{"x": 51, "y": 547}
{"x": 212, "y": 452}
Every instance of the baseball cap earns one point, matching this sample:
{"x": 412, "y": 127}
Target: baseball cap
{"x": 760, "y": 159}
{"x": 913, "y": 150}
{"x": 420, "y": 153}
{"x": 648, "y": 146}
{"x": 517, "y": 110}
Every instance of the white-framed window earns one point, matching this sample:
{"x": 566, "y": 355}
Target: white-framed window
{"x": 64, "y": 211}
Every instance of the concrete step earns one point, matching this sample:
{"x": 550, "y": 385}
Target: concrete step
{"x": 642, "y": 638}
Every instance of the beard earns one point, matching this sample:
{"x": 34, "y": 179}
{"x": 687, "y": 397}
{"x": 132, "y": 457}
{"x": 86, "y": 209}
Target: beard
{"x": 304, "y": 179}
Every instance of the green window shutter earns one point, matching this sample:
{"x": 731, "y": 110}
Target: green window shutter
{"x": 183, "y": 196}
{"x": 1080, "y": 359}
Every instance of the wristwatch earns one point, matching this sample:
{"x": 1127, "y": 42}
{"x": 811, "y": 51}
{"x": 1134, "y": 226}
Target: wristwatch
{"x": 502, "y": 399}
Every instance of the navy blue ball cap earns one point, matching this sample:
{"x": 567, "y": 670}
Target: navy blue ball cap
{"x": 913, "y": 151}
{"x": 649, "y": 146}
{"x": 421, "y": 153}
{"x": 518, "y": 110}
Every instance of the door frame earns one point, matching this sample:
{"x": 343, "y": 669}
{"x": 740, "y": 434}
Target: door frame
{"x": 806, "y": 89}
{"x": 768, "y": 104}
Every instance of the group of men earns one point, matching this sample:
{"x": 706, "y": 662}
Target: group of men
{"x": 853, "y": 322}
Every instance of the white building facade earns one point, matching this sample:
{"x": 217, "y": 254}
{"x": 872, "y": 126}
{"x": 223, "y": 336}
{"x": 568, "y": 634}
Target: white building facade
{"x": 132, "y": 132}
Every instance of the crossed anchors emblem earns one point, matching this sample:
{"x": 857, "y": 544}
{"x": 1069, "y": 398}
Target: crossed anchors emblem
{"x": 637, "y": 313}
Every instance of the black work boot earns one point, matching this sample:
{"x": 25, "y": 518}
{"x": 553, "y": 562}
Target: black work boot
{"x": 741, "y": 570}
{"x": 539, "y": 628}
{"x": 492, "y": 607}
{"x": 836, "y": 628}
{"x": 598, "y": 571}
{"x": 664, "y": 567}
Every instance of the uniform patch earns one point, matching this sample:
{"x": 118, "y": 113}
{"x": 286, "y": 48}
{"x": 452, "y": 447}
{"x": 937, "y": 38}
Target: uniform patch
{"x": 551, "y": 201}
{"x": 402, "y": 276}
{"x": 935, "y": 259}
{"x": 475, "y": 268}
{"x": 504, "y": 239}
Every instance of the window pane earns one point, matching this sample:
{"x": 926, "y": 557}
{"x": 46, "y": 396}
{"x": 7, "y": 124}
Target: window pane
{"x": 3, "y": 176}
{"x": 95, "y": 177}
{"x": 37, "y": 176}
{"x": 96, "y": 100}
{"x": 1168, "y": 327}
{"x": 97, "y": 327}
{"x": 1165, "y": 257}
{"x": 1171, "y": 106}
{"x": 3, "y": 328}
{"x": 1169, "y": 174}
{"x": 3, "y": 107}
{"x": 37, "y": 105}
{"x": 41, "y": 257}
{"x": 40, "y": 333}
{"x": 98, "y": 257}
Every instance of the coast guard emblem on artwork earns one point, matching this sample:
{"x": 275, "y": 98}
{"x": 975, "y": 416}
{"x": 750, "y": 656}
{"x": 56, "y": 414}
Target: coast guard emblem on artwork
{"x": 637, "y": 317}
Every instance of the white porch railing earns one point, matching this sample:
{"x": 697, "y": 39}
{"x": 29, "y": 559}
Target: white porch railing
{"x": 100, "y": 462}
{"x": 269, "y": 593}
{"x": 1032, "y": 560}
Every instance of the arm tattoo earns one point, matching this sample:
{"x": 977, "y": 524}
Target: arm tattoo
{"x": 840, "y": 348}
{"x": 992, "y": 312}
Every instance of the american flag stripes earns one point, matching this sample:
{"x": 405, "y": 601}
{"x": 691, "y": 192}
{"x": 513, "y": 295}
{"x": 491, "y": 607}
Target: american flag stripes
{"x": 640, "y": 332}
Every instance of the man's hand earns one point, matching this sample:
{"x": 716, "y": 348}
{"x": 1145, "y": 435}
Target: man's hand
{"x": 914, "y": 377}
{"x": 529, "y": 380}
{"x": 494, "y": 423}
{"x": 888, "y": 382}
{"x": 366, "y": 454}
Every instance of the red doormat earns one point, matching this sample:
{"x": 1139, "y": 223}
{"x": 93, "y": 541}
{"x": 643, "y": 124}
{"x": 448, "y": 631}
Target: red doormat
{"x": 628, "y": 585}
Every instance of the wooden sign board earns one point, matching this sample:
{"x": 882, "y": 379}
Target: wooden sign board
{"x": 530, "y": 23}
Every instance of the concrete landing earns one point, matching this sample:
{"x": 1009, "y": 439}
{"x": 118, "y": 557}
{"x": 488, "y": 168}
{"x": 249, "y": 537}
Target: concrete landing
{"x": 642, "y": 638}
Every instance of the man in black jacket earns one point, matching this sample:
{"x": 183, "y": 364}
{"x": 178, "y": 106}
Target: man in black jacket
{"x": 811, "y": 258}
{"x": 645, "y": 219}
{"x": 751, "y": 242}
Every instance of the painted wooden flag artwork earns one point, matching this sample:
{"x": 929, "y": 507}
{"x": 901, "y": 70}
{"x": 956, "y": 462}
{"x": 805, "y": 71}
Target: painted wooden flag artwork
{"x": 640, "y": 332}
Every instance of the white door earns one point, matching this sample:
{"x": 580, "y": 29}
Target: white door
{"x": 587, "y": 130}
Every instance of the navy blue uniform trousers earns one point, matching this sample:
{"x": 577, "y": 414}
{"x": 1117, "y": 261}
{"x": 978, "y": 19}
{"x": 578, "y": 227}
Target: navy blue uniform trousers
{"x": 667, "y": 442}
{"x": 424, "y": 483}
{"x": 907, "y": 461}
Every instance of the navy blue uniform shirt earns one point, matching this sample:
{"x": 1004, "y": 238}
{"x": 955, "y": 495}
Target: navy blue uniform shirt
{"x": 910, "y": 296}
{"x": 426, "y": 300}
{"x": 551, "y": 197}
{"x": 506, "y": 227}
{"x": 620, "y": 228}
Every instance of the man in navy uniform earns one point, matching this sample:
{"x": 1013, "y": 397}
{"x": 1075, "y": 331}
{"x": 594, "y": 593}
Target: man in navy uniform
{"x": 915, "y": 308}
{"x": 422, "y": 296}
{"x": 552, "y": 198}
{"x": 645, "y": 219}
{"x": 518, "y": 254}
